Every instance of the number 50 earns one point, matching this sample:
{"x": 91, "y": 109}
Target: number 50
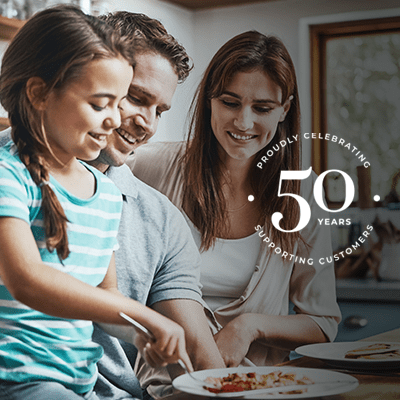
{"x": 305, "y": 210}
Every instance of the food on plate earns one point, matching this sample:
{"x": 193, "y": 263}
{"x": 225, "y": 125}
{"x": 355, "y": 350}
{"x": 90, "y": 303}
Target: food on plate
{"x": 375, "y": 351}
{"x": 250, "y": 381}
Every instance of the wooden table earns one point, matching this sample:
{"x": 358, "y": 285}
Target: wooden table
{"x": 371, "y": 387}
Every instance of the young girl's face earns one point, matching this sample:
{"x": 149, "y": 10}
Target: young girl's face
{"x": 79, "y": 117}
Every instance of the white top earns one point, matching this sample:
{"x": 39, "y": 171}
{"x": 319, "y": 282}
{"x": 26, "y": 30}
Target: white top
{"x": 276, "y": 280}
{"x": 226, "y": 268}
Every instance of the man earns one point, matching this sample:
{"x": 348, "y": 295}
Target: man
{"x": 157, "y": 262}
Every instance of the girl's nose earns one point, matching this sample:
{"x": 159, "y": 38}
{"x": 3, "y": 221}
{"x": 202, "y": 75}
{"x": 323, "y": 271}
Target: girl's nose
{"x": 113, "y": 121}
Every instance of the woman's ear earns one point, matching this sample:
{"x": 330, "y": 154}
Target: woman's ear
{"x": 286, "y": 107}
{"x": 36, "y": 92}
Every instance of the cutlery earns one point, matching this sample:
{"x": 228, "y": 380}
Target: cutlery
{"x": 139, "y": 327}
{"x": 204, "y": 384}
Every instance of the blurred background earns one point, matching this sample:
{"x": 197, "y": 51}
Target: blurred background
{"x": 347, "y": 57}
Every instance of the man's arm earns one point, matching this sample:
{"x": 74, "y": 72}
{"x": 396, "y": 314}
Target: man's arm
{"x": 176, "y": 290}
{"x": 200, "y": 343}
{"x": 151, "y": 354}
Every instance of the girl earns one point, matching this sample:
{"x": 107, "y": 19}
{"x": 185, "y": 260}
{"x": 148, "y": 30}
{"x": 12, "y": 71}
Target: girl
{"x": 62, "y": 79}
{"x": 246, "y": 105}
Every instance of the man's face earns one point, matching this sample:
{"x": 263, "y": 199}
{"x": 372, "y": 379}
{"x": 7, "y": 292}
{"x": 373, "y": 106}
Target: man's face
{"x": 150, "y": 94}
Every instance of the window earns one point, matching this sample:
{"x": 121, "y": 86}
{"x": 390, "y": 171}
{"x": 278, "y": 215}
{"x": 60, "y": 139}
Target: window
{"x": 356, "y": 97}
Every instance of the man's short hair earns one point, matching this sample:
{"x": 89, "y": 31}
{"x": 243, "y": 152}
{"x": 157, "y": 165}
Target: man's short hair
{"x": 148, "y": 34}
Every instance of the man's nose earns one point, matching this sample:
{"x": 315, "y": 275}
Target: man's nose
{"x": 147, "y": 120}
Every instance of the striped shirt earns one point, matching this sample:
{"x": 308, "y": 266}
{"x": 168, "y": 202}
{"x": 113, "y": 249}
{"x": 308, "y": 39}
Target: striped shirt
{"x": 35, "y": 346}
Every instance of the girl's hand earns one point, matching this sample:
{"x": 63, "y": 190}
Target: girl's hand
{"x": 167, "y": 348}
{"x": 143, "y": 344}
{"x": 235, "y": 338}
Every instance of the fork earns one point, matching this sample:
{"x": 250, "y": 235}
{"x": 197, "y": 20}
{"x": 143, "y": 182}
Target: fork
{"x": 150, "y": 336}
{"x": 199, "y": 381}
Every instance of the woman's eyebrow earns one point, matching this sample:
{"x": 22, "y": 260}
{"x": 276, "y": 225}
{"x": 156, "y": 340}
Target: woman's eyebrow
{"x": 255, "y": 101}
{"x": 267, "y": 101}
{"x": 230, "y": 94}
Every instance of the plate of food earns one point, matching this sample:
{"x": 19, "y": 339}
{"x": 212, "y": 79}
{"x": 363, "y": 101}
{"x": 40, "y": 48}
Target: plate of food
{"x": 266, "y": 383}
{"x": 355, "y": 355}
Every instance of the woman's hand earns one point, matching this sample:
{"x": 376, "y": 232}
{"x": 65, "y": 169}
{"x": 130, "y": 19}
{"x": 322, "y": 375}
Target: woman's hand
{"x": 235, "y": 338}
{"x": 284, "y": 332}
{"x": 168, "y": 345}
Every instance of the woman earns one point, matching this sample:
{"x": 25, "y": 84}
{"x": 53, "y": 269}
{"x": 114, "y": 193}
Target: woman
{"x": 246, "y": 106}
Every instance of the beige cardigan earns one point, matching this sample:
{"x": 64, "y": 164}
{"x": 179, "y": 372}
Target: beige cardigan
{"x": 311, "y": 288}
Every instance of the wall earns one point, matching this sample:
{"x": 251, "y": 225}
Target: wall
{"x": 203, "y": 32}
{"x": 215, "y": 27}
{"x": 282, "y": 18}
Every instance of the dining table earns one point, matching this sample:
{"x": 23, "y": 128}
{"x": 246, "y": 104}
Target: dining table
{"x": 373, "y": 385}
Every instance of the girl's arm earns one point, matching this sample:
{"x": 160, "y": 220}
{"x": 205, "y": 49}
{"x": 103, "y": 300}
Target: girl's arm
{"x": 127, "y": 333}
{"x": 56, "y": 293}
{"x": 282, "y": 331}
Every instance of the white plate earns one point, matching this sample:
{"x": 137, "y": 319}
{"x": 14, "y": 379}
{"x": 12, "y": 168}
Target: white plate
{"x": 186, "y": 384}
{"x": 333, "y": 354}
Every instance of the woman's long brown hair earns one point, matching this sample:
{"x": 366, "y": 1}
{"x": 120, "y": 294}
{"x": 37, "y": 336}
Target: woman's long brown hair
{"x": 54, "y": 45}
{"x": 203, "y": 194}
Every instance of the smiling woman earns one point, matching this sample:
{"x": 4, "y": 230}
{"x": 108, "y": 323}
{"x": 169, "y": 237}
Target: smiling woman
{"x": 246, "y": 107}
{"x": 245, "y": 116}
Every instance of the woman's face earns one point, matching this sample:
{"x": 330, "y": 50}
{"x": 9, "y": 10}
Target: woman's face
{"x": 245, "y": 116}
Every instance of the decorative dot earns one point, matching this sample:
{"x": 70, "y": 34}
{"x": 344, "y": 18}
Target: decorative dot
{"x": 251, "y": 197}
{"x": 377, "y": 197}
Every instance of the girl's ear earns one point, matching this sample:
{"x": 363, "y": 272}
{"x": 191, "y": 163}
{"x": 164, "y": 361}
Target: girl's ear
{"x": 286, "y": 107}
{"x": 36, "y": 91}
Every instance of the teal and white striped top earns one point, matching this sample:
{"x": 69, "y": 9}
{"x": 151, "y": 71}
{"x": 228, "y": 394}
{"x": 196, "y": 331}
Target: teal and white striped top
{"x": 35, "y": 346}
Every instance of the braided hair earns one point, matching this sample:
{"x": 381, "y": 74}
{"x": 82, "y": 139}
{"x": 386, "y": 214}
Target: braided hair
{"x": 54, "y": 45}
